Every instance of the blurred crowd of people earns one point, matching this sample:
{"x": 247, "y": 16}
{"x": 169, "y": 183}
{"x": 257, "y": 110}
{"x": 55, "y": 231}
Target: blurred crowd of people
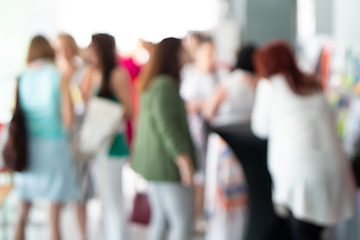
{"x": 168, "y": 104}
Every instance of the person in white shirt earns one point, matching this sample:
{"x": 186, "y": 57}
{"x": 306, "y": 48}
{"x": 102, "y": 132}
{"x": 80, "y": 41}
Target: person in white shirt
{"x": 233, "y": 99}
{"x": 198, "y": 83}
{"x": 312, "y": 181}
{"x": 199, "y": 78}
{"x": 226, "y": 195}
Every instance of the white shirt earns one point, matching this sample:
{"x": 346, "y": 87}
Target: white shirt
{"x": 311, "y": 175}
{"x": 196, "y": 85}
{"x": 239, "y": 101}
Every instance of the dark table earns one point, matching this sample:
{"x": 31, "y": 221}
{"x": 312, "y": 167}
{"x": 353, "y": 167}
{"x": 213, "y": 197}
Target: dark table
{"x": 252, "y": 153}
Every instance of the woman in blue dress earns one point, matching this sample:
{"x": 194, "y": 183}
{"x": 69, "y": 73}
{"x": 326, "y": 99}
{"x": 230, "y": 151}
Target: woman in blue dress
{"x": 45, "y": 101}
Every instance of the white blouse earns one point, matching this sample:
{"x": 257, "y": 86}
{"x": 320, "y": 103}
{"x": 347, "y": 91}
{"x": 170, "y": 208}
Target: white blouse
{"x": 311, "y": 175}
{"x": 196, "y": 85}
{"x": 239, "y": 102}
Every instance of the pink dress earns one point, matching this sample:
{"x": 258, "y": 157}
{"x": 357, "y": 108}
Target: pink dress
{"x": 133, "y": 69}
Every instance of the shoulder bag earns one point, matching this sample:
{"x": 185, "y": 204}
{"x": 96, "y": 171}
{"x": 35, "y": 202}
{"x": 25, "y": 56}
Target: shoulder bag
{"x": 15, "y": 150}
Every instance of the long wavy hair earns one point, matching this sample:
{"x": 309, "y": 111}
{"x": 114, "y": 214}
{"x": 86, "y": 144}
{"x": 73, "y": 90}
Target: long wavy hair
{"x": 165, "y": 60}
{"x": 104, "y": 45}
{"x": 278, "y": 57}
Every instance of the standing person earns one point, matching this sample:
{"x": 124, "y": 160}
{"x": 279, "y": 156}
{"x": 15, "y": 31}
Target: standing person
{"x": 45, "y": 100}
{"x": 198, "y": 83}
{"x": 105, "y": 79}
{"x": 199, "y": 78}
{"x": 233, "y": 99}
{"x": 164, "y": 154}
{"x": 312, "y": 182}
{"x": 191, "y": 43}
{"x": 67, "y": 53}
{"x": 226, "y": 195}
{"x": 134, "y": 63}
{"x": 70, "y": 64}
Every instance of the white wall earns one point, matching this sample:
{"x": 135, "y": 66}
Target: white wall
{"x": 324, "y": 10}
{"x": 339, "y": 19}
{"x": 347, "y": 21}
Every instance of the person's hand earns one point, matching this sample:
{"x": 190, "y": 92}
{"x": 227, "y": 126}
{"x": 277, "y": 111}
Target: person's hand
{"x": 211, "y": 105}
{"x": 4, "y": 169}
{"x": 194, "y": 106}
{"x": 186, "y": 169}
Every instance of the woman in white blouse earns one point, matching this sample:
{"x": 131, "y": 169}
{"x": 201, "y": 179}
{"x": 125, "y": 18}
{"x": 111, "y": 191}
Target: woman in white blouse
{"x": 312, "y": 181}
{"x": 233, "y": 98}
{"x": 226, "y": 195}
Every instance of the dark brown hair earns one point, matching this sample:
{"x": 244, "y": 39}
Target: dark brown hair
{"x": 278, "y": 57}
{"x": 40, "y": 49}
{"x": 104, "y": 45}
{"x": 244, "y": 60}
{"x": 165, "y": 60}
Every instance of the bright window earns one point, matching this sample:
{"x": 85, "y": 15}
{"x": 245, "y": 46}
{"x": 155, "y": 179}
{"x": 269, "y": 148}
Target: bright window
{"x": 127, "y": 20}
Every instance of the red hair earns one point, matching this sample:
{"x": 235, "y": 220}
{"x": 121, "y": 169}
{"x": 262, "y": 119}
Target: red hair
{"x": 277, "y": 57}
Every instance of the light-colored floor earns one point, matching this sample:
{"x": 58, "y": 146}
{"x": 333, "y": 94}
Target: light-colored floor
{"x": 37, "y": 228}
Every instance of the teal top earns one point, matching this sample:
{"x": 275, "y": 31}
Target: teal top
{"x": 163, "y": 132}
{"x": 40, "y": 99}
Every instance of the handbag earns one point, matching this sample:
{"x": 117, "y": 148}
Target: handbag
{"x": 141, "y": 209}
{"x": 141, "y": 212}
{"x": 15, "y": 150}
{"x": 101, "y": 121}
{"x": 77, "y": 154}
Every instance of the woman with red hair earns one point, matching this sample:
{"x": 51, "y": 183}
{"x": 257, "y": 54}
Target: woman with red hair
{"x": 312, "y": 183}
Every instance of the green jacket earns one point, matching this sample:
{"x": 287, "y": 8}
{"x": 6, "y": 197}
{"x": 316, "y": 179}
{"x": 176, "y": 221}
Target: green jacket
{"x": 163, "y": 132}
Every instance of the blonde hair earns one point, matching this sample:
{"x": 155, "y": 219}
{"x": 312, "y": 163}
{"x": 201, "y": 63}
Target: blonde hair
{"x": 71, "y": 42}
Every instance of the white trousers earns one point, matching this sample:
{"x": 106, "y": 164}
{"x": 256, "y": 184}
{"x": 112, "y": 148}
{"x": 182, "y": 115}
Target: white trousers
{"x": 171, "y": 207}
{"x": 108, "y": 181}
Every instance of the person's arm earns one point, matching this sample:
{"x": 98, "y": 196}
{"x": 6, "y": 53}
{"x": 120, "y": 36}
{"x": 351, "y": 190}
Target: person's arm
{"x": 212, "y": 104}
{"x": 186, "y": 168}
{"x": 194, "y": 106}
{"x": 120, "y": 83}
{"x": 67, "y": 113}
{"x": 260, "y": 116}
{"x": 166, "y": 116}
{"x": 86, "y": 84}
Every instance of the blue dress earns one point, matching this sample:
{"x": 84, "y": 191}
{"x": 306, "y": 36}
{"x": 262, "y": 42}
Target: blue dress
{"x": 51, "y": 172}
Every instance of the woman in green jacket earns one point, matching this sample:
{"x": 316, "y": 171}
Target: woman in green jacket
{"x": 164, "y": 153}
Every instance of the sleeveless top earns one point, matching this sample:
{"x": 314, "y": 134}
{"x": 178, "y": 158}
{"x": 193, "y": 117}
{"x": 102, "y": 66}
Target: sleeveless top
{"x": 40, "y": 99}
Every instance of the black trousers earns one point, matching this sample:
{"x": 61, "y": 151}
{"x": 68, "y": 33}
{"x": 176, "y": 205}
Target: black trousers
{"x": 304, "y": 231}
